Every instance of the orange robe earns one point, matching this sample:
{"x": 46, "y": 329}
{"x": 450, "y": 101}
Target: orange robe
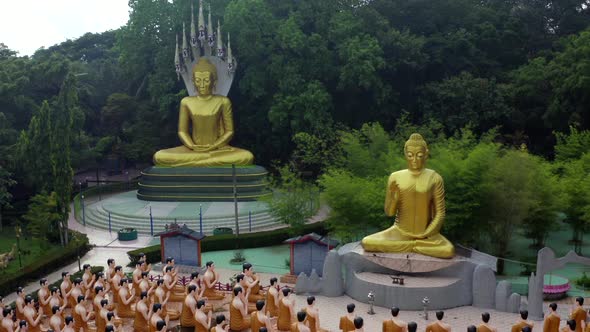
{"x": 311, "y": 322}
{"x": 579, "y": 315}
{"x": 435, "y": 327}
{"x": 390, "y": 326}
{"x": 236, "y": 321}
{"x": 79, "y": 323}
{"x": 346, "y": 325}
{"x": 271, "y": 307}
{"x": 140, "y": 324}
{"x": 284, "y": 320}
{"x": 483, "y": 328}
{"x": 518, "y": 326}
{"x": 199, "y": 327}
{"x": 551, "y": 323}
{"x": 255, "y": 323}
{"x": 187, "y": 319}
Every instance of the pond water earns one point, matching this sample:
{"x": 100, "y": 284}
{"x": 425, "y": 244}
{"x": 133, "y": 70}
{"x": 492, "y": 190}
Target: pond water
{"x": 265, "y": 259}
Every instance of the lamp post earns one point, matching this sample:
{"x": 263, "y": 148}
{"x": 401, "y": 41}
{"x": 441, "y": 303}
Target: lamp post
{"x": 18, "y": 234}
{"x": 371, "y": 297}
{"x": 151, "y": 220}
{"x": 425, "y": 302}
{"x": 201, "y": 218}
{"x": 83, "y": 211}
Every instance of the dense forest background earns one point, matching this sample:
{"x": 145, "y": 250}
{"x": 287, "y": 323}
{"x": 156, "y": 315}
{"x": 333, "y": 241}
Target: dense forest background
{"x": 327, "y": 87}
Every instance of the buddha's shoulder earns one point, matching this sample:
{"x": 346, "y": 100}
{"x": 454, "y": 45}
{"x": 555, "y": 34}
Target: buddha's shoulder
{"x": 214, "y": 98}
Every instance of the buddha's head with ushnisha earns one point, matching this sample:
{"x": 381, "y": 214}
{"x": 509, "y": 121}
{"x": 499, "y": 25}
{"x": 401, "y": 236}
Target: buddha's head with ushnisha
{"x": 204, "y": 77}
{"x": 416, "y": 152}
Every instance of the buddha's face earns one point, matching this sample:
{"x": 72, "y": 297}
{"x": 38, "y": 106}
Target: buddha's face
{"x": 416, "y": 157}
{"x": 203, "y": 83}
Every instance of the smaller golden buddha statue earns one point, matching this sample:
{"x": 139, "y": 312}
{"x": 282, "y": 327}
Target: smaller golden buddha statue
{"x": 416, "y": 196}
{"x": 210, "y": 117}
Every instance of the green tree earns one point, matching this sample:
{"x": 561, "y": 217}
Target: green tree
{"x": 294, "y": 200}
{"x": 43, "y": 216}
{"x": 61, "y": 138}
{"x": 5, "y": 196}
{"x": 508, "y": 191}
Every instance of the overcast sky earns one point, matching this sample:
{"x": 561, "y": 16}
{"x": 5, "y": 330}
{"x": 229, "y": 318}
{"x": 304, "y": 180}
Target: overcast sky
{"x": 27, "y": 25}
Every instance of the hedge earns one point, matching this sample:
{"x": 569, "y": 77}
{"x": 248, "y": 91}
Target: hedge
{"x": 229, "y": 241}
{"x": 78, "y": 245}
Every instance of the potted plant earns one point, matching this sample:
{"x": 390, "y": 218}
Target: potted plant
{"x": 238, "y": 258}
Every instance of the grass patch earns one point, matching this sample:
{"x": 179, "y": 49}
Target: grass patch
{"x": 31, "y": 249}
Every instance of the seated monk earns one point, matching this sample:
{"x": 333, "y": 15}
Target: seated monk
{"x": 286, "y": 310}
{"x": 43, "y": 296}
{"x": 126, "y": 308}
{"x": 252, "y": 282}
{"x": 258, "y": 319}
{"x": 552, "y": 319}
{"x": 240, "y": 282}
{"x": 439, "y": 325}
{"x": 56, "y": 322}
{"x": 110, "y": 272}
{"x": 7, "y": 324}
{"x": 221, "y": 324}
{"x": 76, "y": 291}
{"x": 210, "y": 117}
{"x": 347, "y": 321}
{"x": 394, "y": 324}
{"x": 522, "y": 322}
{"x": 100, "y": 318}
{"x": 136, "y": 276}
{"x": 578, "y": 313}
{"x": 146, "y": 267}
{"x": 69, "y": 322}
{"x": 116, "y": 283}
{"x": 272, "y": 299}
{"x": 145, "y": 285}
{"x": 312, "y": 315}
{"x": 485, "y": 326}
{"x": 202, "y": 320}
{"x": 31, "y": 316}
{"x": 88, "y": 280}
{"x": 162, "y": 296}
{"x": 238, "y": 311}
{"x": 101, "y": 282}
{"x": 416, "y": 196}
{"x": 81, "y": 315}
{"x": 358, "y": 324}
{"x": 66, "y": 287}
{"x": 141, "y": 321}
{"x": 300, "y": 325}
{"x": 56, "y": 300}
{"x": 156, "y": 317}
{"x": 177, "y": 292}
{"x": 189, "y": 305}
{"x": 210, "y": 278}
{"x": 20, "y": 304}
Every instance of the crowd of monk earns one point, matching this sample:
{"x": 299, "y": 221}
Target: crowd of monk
{"x": 106, "y": 298}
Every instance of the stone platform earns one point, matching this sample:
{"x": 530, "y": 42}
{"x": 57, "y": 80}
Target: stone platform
{"x": 198, "y": 184}
{"x": 406, "y": 262}
{"x": 447, "y": 283}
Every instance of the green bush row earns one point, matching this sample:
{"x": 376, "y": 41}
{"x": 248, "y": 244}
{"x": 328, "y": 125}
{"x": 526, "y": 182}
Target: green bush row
{"x": 78, "y": 245}
{"x": 229, "y": 241}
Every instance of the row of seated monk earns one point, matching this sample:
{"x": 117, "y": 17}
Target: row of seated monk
{"x": 249, "y": 307}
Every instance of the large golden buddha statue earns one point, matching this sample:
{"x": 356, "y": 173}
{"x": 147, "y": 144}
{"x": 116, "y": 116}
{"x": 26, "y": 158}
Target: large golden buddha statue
{"x": 416, "y": 196}
{"x": 210, "y": 117}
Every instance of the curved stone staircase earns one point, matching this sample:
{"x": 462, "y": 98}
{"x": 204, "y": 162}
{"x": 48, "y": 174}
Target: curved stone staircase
{"x": 97, "y": 216}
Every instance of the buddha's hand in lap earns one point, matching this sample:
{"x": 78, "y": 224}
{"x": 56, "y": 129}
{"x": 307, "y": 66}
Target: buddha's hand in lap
{"x": 202, "y": 148}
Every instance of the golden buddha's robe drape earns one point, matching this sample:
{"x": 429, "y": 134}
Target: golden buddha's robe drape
{"x": 212, "y": 122}
{"x": 420, "y": 210}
